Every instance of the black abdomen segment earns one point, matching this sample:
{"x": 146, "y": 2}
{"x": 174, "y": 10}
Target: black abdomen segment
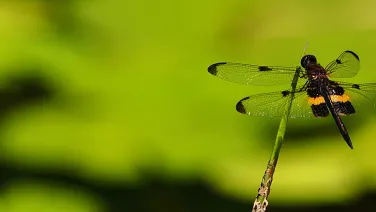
{"x": 337, "y": 119}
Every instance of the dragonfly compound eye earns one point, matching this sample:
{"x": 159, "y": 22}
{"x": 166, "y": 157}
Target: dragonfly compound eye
{"x": 308, "y": 60}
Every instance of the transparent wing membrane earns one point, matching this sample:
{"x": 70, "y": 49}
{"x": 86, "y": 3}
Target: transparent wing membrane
{"x": 274, "y": 104}
{"x": 361, "y": 96}
{"x": 253, "y": 74}
{"x": 345, "y": 66}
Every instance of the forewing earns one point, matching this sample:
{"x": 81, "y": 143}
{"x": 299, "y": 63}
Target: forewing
{"x": 345, "y": 66}
{"x": 274, "y": 104}
{"x": 253, "y": 74}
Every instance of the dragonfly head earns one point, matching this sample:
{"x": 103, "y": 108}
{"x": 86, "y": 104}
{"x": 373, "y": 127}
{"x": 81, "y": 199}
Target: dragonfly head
{"x": 308, "y": 60}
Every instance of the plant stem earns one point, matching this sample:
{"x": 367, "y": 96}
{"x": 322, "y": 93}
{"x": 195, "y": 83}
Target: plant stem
{"x": 261, "y": 201}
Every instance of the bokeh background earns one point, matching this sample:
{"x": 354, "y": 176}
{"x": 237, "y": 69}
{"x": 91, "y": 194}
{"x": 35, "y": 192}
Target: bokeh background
{"x": 108, "y": 106}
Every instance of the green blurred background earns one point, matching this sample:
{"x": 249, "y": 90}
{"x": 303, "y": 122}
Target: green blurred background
{"x": 108, "y": 106}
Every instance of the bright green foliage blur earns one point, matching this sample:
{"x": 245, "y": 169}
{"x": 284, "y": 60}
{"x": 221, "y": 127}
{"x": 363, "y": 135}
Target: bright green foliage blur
{"x": 134, "y": 92}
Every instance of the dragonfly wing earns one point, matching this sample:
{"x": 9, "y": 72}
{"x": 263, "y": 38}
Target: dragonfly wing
{"x": 253, "y": 74}
{"x": 361, "y": 96}
{"x": 274, "y": 104}
{"x": 345, "y": 66}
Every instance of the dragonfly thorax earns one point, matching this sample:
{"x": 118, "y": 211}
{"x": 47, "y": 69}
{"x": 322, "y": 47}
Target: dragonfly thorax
{"x": 316, "y": 72}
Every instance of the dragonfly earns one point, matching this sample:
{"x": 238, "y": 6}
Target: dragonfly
{"x": 316, "y": 96}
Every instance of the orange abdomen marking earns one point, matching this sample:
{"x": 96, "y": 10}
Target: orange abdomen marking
{"x": 335, "y": 98}
{"x": 341, "y": 104}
